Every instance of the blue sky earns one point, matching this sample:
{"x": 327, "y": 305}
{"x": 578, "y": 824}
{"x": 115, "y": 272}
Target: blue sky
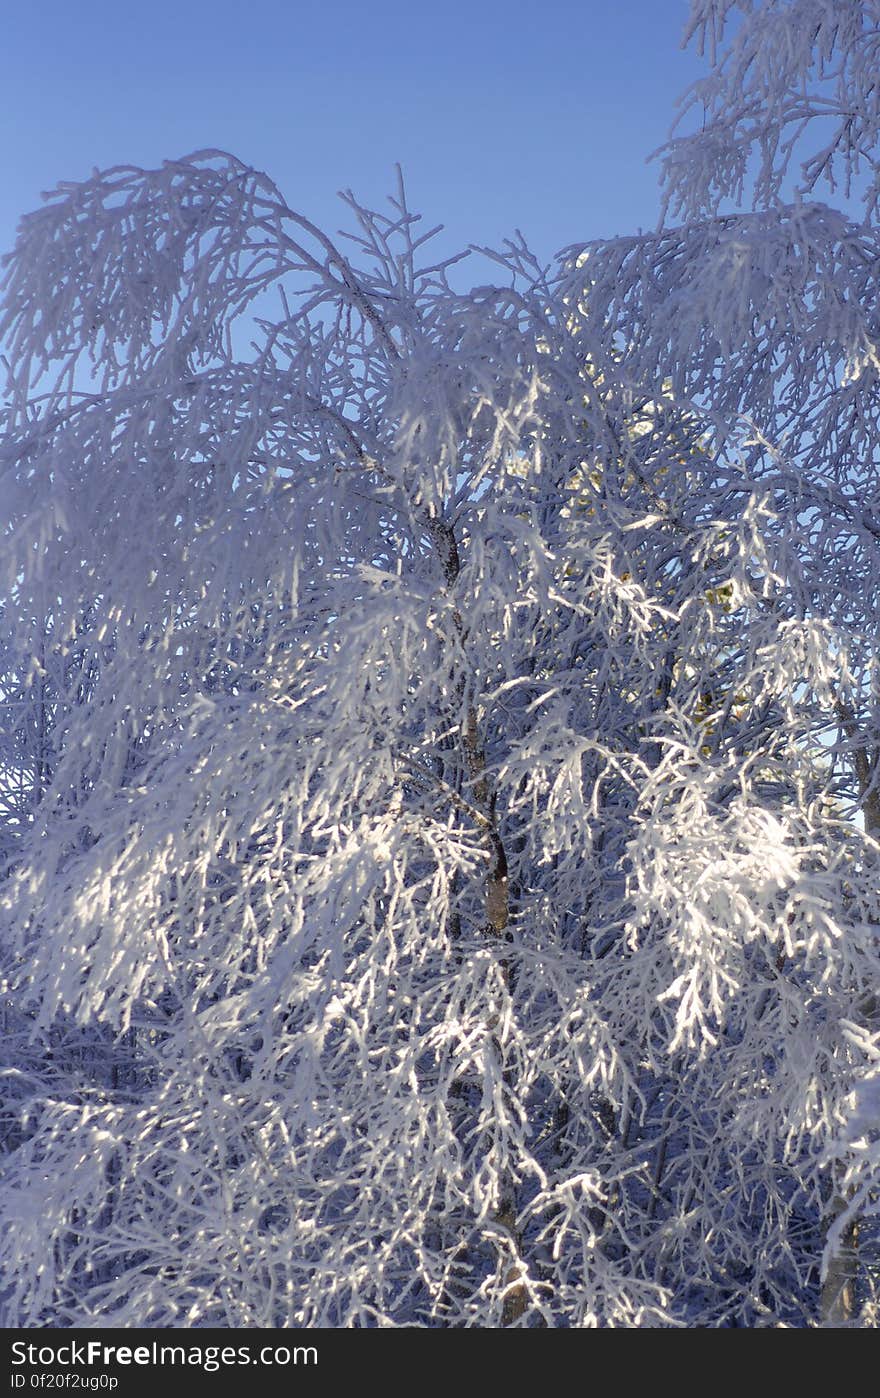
{"x": 535, "y": 114}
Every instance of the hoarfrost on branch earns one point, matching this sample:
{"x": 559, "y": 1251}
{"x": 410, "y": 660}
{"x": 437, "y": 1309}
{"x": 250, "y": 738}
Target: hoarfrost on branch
{"x": 439, "y": 802}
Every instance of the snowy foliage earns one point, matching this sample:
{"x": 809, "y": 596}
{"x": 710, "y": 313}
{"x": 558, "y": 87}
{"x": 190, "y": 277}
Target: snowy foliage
{"x": 439, "y": 748}
{"x": 791, "y": 104}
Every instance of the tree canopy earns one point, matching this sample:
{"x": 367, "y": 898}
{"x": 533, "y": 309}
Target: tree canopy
{"x": 439, "y": 808}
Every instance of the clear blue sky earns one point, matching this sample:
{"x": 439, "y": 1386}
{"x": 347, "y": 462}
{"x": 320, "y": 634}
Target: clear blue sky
{"x": 535, "y": 114}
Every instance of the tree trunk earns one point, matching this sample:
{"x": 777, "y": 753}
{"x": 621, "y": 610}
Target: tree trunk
{"x": 838, "y": 1296}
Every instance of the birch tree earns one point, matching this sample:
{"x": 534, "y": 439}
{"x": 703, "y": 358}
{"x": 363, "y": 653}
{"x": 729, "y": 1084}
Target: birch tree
{"x": 451, "y": 899}
{"x": 777, "y": 339}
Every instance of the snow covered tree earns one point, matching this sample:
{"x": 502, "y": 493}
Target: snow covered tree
{"x": 767, "y": 320}
{"x": 441, "y": 887}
